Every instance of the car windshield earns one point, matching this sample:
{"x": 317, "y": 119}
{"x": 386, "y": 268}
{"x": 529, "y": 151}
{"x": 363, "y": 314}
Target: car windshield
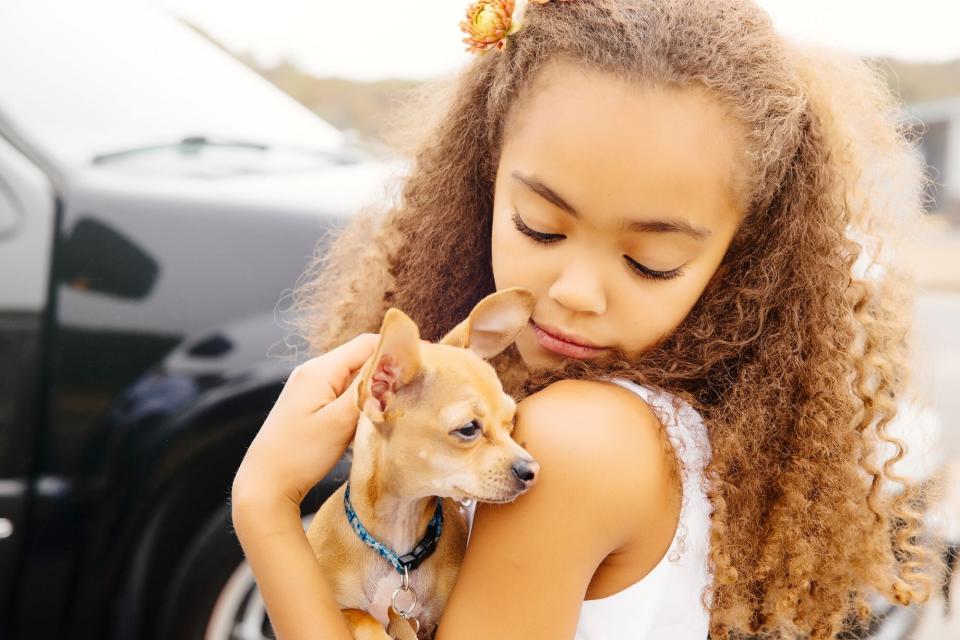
{"x": 89, "y": 79}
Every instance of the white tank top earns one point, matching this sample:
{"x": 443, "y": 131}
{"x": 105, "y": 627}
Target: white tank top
{"x": 665, "y": 603}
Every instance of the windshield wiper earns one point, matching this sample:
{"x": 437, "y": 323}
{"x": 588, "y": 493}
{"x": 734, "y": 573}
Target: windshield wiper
{"x": 194, "y": 144}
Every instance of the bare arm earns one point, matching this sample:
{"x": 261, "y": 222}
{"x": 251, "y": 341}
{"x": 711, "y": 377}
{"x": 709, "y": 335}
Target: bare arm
{"x": 303, "y": 437}
{"x": 293, "y": 587}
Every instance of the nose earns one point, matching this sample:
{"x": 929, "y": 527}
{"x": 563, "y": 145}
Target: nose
{"x": 525, "y": 471}
{"x": 579, "y": 288}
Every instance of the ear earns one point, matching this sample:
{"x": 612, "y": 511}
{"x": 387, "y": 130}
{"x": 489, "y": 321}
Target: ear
{"x": 395, "y": 363}
{"x": 494, "y": 323}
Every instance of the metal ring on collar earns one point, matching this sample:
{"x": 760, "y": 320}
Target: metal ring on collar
{"x": 404, "y": 613}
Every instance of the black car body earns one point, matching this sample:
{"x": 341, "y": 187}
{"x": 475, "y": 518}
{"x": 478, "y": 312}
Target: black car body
{"x": 148, "y": 233}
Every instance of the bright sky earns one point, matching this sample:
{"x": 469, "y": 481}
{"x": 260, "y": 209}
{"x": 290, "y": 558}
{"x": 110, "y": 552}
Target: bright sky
{"x": 372, "y": 39}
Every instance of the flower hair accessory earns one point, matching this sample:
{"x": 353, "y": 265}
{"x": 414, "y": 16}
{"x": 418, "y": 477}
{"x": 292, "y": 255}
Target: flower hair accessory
{"x": 490, "y": 22}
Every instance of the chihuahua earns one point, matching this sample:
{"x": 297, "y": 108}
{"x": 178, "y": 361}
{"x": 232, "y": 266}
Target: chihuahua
{"x": 434, "y": 430}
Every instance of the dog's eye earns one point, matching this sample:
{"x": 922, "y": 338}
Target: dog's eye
{"x": 469, "y": 431}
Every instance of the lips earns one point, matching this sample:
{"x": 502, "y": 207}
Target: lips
{"x": 563, "y": 346}
{"x": 566, "y": 337}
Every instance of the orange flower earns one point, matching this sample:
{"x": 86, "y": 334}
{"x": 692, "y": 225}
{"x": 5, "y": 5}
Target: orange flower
{"x": 487, "y": 25}
{"x": 489, "y": 22}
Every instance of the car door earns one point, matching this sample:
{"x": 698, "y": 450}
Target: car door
{"x": 27, "y": 223}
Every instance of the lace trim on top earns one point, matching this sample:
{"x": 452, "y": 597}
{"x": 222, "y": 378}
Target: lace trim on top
{"x": 687, "y": 434}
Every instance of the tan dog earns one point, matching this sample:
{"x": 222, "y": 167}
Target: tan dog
{"x": 434, "y": 428}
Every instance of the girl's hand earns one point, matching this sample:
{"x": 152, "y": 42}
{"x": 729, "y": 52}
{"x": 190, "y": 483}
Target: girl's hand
{"x": 309, "y": 427}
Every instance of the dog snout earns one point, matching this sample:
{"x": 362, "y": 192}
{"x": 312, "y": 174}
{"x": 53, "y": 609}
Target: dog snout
{"x": 525, "y": 471}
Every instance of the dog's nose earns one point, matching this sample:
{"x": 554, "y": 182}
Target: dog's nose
{"x": 525, "y": 471}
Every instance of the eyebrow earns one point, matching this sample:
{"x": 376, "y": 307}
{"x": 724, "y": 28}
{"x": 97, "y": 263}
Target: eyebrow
{"x": 669, "y": 225}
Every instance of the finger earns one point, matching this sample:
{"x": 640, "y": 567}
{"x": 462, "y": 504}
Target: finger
{"x": 339, "y": 418}
{"x": 355, "y": 353}
{"x": 339, "y": 364}
{"x": 320, "y": 380}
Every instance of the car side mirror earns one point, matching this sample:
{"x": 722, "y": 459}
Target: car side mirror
{"x": 96, "y": 257}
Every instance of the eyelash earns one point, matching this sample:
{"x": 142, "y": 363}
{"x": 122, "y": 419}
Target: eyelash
{"x": 550, "y": 238}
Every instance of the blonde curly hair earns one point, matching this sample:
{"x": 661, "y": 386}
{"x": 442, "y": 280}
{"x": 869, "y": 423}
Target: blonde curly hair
{"x": 795, "y": 362}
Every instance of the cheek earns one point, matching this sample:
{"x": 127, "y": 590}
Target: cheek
{"x": 655, "y": 311}
{"x": 514, "y": 261}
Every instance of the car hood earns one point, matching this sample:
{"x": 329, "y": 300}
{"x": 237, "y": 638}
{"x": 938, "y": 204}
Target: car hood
{"x": 330, "y": 190}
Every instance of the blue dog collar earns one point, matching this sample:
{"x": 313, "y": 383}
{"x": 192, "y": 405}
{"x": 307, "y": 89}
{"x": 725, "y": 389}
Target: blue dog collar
{"x": 409, "y": 561}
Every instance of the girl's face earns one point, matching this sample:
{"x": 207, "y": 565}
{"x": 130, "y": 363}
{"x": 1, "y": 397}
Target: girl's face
{"x": 615, "y": 204}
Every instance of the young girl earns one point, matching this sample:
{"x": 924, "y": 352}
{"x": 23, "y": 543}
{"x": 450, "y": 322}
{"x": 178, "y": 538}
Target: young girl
{"x": 707, "y": 371}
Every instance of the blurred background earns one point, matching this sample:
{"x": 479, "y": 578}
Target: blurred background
{"x": 168, "y": 168}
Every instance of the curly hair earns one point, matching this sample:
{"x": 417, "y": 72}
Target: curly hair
{"x": 795, "y": 357}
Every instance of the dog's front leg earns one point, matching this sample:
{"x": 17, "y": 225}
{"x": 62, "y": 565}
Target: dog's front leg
{"x": 364, "y": 626}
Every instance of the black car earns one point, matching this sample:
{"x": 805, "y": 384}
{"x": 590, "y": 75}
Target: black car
{"x": 157, "y": 202}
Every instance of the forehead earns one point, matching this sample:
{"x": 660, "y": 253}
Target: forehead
{"x": 632, "y": 150}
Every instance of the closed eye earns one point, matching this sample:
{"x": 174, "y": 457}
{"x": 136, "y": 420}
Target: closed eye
{"x": 636, "y": 267}
{"x": 545, "y": 238}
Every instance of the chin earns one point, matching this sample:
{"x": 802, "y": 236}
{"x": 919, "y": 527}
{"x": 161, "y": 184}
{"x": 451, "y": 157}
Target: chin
{"x": 532, "y": 354}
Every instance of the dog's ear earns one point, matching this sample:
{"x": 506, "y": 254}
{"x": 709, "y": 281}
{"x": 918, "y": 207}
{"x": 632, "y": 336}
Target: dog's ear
{"x": 395, "y": 362}
{"x": 494, "y": 323}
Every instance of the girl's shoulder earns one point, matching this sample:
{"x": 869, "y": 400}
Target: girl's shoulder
{"x": 563, "y": 409}
{"x": 634, "y": 430}
{"x": 606, "y": 441}
{"x": 620, "y": 405}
